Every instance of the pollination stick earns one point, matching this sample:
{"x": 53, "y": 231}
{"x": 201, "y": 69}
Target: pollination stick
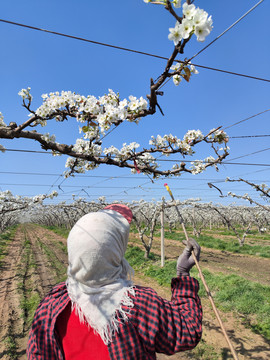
{"x": 202, "y": 277}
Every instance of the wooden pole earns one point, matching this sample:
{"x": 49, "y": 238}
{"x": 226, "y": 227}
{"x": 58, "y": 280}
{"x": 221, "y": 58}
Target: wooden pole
{"x": 203, "y": 279}
{"x": 162, "y": 234}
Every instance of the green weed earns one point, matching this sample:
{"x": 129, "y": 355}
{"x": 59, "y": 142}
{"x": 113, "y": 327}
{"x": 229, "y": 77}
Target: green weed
{"x": 11, "y": 347}
{"x": 58, "y": 230}
{"x": 204, "y": 351}
{"x": 231, "y": 292}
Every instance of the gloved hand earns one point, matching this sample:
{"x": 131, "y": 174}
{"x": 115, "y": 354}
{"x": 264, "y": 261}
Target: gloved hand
{"x": 185, "y": 260}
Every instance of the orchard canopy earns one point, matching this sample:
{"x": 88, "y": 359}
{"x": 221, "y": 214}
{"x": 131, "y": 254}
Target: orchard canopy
{"x": 97, "y": 116}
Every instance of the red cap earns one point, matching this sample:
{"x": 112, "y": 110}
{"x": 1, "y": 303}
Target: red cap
{"x": 122, "y": 209}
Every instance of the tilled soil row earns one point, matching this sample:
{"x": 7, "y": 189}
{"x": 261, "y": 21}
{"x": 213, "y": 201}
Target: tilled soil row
{"x": 11, "y": 315}
{"x": 33, "y": 265}
{"x": 50, "y": 260}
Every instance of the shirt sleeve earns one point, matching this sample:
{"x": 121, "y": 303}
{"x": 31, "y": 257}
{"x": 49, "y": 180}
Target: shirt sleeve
{"x": 43, "y": 343}
{"x": 170, "y": 326}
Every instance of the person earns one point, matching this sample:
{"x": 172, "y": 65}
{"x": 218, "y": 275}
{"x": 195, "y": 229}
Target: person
{"x": 98, "y": 313}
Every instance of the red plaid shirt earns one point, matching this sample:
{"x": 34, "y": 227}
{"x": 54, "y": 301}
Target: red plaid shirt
{"x": 155, "y": 324}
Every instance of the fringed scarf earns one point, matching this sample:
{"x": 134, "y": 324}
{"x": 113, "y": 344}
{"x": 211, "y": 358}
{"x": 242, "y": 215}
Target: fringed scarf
{"x": 99, "y": 278}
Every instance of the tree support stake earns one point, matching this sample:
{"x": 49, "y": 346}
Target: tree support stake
{"x": 203, "y": 279}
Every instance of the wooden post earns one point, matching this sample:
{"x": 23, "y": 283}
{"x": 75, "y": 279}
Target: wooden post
{"x": 162, "y": 234}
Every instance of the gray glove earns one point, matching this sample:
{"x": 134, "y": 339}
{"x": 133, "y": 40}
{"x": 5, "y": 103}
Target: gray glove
{"x": 185, "y": 260}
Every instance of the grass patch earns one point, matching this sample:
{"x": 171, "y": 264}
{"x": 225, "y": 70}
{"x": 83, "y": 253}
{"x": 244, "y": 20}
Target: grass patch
{"x": 58, "y": 230}
{"x": 231, "y": 292}
{"x": 29, "y": 304}
{"x": 250, "y": 299}
{"x": 11, "y": 347}
{"x": 29, "y": 299}
{"x": 204, "y": 351}
{"x": 5, "y": 238}
{"x": 226, "y": 245}
{"x": 62, "y": 247}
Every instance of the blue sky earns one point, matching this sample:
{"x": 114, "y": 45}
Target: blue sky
{"x": 48, "y": 63}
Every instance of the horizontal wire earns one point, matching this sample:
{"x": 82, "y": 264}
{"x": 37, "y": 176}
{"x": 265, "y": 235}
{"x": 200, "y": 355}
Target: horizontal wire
{"x": 162, "y": 160}
{"x": 94, "y": 187}
{"x": 131, "y": 177}
{"x": 247, "y": 136}
{"x": 129, "y": 50}
{"x": 149, "y": 189}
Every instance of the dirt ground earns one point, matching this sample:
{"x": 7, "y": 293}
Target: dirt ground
{"x": 36, "y": 260}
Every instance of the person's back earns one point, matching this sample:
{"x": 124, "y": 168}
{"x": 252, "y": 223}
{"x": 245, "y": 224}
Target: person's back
{"x": 99, "y": 314}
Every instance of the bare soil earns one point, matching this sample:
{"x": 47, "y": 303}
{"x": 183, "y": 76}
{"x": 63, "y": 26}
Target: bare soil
{"x": 36, "y": 267}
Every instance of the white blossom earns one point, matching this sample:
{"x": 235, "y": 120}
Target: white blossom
{"x": 200, "y": 17}
{"x": 189, "y": 10}
{"x": 175, "y": 67}
{"x": 187, "y": 28}
{"x": 201, "y": 31}
{"x": 2, "y": 123}
{"x": 202, "y": 24}
{"x": 193, "y": 69}
{"x": 176, "y": 33}
{"x": 2, "y": 149}
{"x": 177, "y": 79}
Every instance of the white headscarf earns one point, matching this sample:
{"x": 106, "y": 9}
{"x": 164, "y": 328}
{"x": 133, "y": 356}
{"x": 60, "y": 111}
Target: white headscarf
{"x": 99, "y": 278}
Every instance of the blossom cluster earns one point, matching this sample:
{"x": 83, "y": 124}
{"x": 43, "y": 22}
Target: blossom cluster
{"x": 79, "y": 166}
{"x": 199, "y": 166}
{"x": 39, "y": 198}
{"x": 102, "y": 112}
{"x": 219, "y": 136}
{"x": 182, "y": 72}
{"x": 124, "y": 153}
{"x": 25, "y": 94}
{"x": 172, "y": 142}
{"x": 2, "y": 123}
{"x": 167, "y": 145}
{"x": 7, "y": 197}
{"x": 85, "y": 147}
{"x": 195, "y": 21}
